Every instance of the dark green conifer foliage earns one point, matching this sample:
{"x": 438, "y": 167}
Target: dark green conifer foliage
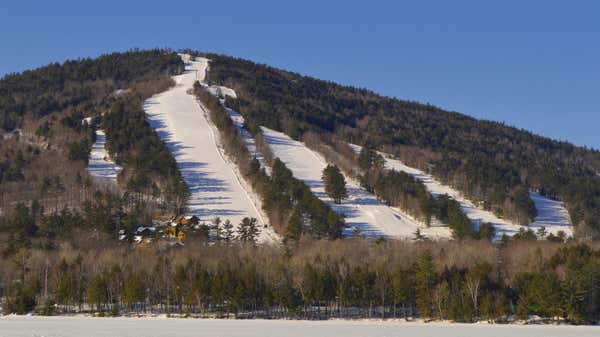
{"x": 335, "y": 183}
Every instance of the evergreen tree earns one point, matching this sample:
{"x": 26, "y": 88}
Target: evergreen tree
{"x": 295, "y": 225}
{"x": 425, "y": 278}
{"x": 247, "y": 231}
{"x": 227, "y": 231}
{"x": 369, "y": 159}
{"x": 335, "y": 183}
{"x": 97, "y": 294}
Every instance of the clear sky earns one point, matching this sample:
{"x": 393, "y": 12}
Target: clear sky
{"x": 531, "y": 64}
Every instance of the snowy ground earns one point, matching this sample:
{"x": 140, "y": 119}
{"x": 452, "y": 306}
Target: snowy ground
{"x": 34, "y": 326}
{"x": 361, "y": 209}
{"x": 100, "y": 165}
{"x": 551, "y": 214}
{"x": 216, "y": 186}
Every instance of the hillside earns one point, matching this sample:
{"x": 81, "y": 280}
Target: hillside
{"x": 489, "y": 162}
{"x": 54, "y": 121}
{"x": 112, "y": 171}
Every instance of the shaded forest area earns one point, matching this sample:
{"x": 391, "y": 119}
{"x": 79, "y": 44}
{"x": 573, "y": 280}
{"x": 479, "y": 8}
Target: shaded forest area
{"x": 458, "y": 281}
{"x": 48, "y": 120}
{"x": 489, "y": 162}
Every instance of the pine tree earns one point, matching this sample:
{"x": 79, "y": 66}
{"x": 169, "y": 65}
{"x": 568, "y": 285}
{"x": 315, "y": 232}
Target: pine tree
{"x": 335, "y": 183}
{"x": 294, "y": 227}
{"x": 227, "y": 231}
{"x": 216, "y": 224}
{"x": 247, "y": 231}
{"x": 368, "y": 159}
{"x": 97, "y": 293}
{"x": 425, "y": 277}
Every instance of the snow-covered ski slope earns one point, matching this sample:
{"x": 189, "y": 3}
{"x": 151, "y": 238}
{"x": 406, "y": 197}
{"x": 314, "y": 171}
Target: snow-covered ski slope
{"x": 216, "y": 186}
{"x": 361, "y": 209}
{"x": 551, "y": 214}
{"x": 100, "y": 165}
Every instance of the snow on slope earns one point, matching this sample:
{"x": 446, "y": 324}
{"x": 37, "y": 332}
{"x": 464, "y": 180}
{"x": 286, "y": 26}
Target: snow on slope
{"x": 361, "y": 209}
{"x": 551, "y": 214}
{"x": 183, "y": 124}
{"x": 100, "y": 165}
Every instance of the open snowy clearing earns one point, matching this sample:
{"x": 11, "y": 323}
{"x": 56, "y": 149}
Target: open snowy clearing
{"x": 100, "y": 165}
{"x": 551, "y": 214}
{"x": 183, "y": 124}
{"x": 28, "y": 326}
{"x": 361, "y": 209}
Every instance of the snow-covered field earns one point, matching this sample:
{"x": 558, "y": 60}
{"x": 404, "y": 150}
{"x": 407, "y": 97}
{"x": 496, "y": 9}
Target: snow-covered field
{"x": 361, "y": 209}
{"x": 216, "y": 186}
{"x": 100, "y": 165}
{"x": 23, "y": 326}
{"x": 551, "y": 214}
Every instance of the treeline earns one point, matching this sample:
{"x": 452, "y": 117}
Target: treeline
{"x": 150, "y": 171}
{"x": 30, "y": 226}
{"x": 55, "y": 87}
{"x": 318, "y": 280}
{"x": 489, "y": 162}
{"x": 289, "y": 203}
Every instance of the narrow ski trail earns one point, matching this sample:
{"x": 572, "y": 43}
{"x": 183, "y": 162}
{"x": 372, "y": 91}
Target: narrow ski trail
{"x": 362, "y": 209}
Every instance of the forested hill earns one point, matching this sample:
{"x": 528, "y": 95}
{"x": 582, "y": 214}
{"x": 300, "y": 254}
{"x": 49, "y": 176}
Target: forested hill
{"x": 488, "y": 161}
{"x": 48, "y": 119}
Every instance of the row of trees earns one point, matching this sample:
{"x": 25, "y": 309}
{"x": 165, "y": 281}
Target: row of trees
{"x": 315, "y": 281}
{"x": 291, "y": 206}
{"x": 488, "y": 162}
{"x": 29, "y": 225}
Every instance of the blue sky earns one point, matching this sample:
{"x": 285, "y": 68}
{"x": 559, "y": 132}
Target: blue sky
{"x": 531, "y": 64}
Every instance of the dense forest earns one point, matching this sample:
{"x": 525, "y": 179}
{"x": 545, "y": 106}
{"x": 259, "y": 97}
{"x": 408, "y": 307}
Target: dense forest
{"x": 49, "y": 117}
{"x": 457, "y": 281}
{"x": 489, "y": 162}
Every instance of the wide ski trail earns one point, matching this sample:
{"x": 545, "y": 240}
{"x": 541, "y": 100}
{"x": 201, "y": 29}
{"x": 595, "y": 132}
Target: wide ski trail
{"x": 183, "y": 124}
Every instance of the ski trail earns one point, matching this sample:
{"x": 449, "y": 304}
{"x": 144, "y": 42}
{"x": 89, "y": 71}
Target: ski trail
{"x": 551, "y": 214}
{"x": 183, "y": 124}
{"x": 100, "y": 165}
{"x": 362, "y": 209}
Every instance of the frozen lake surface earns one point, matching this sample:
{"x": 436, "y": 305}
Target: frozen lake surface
{"x": 24, "y": 326}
